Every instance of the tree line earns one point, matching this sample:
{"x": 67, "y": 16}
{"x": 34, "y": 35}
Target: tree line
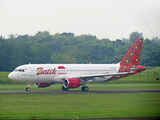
{"x": 68, "y": 48}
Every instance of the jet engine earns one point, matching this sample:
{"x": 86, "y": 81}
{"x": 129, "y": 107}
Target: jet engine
{"x": 42, "y": 84}
{"x": 72, "y": 83}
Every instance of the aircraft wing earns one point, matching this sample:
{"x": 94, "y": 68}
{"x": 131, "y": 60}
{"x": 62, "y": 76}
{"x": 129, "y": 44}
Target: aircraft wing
{"x": 101, "y": 75}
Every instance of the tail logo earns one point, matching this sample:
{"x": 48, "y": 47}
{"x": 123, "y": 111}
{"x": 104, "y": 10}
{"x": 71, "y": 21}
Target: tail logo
{"x": 131, "y": 54}
{"x": 136, "y": 47}
{"x": 127, "y": 60}
{"x": 132, "y": 58}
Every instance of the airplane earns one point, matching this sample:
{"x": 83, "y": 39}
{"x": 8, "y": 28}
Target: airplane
{"x": 76, "y": 75}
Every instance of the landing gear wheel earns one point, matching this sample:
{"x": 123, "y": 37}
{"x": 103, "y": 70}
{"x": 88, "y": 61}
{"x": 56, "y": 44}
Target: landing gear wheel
{"x": 85, "y": 88}
{"x": 28, "y": 86}
{"x": 65, "y": 89}
{"x": 82, "y": 88}
{"x": 28, "y": 89}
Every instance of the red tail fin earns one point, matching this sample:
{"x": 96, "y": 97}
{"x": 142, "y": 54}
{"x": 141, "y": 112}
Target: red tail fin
{"x": 132, "y": 58}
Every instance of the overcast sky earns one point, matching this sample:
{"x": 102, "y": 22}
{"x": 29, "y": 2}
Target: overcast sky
{"x": 113, "y": 19}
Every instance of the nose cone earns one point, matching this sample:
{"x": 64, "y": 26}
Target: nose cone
{"x": 10, "y": 76}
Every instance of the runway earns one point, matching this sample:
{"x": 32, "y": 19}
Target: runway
{"x": 111, "y": 91}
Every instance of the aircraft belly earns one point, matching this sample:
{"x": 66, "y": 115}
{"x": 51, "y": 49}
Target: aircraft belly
{"x": 44, "y": 79}
{"x": 57, "y": 79}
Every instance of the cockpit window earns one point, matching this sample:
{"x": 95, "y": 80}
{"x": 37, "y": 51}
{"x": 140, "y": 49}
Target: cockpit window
{"x": 19, "y": 70}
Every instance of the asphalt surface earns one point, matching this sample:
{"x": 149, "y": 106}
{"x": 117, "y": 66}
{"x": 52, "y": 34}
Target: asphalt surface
{"x": 114, "y": 91}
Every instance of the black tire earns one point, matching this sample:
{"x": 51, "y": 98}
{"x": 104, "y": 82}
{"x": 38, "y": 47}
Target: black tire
{"x": 82, "y": 88}
{"x": 65, "y": 89}
{"x": 28, "y": 89}
{"x": 85, "y": 88}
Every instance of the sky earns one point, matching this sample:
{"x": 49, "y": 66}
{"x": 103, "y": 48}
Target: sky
{"x": 112, "y": 19}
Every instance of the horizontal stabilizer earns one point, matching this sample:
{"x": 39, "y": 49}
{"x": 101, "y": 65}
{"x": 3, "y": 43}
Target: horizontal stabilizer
{"x": 135, "y": 69}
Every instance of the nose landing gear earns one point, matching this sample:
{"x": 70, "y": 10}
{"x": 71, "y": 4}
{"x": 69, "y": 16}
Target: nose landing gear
{"x": 28, "y": 86}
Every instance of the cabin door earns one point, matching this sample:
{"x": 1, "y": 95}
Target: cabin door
{"x": 32, "y": 72}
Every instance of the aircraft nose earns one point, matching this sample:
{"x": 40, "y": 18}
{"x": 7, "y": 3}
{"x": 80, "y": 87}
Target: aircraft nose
{"x": 10, "y": 76}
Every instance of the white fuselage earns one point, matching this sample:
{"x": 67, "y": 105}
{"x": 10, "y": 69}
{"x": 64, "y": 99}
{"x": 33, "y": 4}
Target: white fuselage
{"x": 55, "y": 73}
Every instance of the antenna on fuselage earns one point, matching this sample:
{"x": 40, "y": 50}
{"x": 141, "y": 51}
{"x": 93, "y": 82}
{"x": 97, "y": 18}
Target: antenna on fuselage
{"x": 29, "y": 63}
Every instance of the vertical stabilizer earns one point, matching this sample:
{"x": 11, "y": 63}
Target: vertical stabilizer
{"x": 132, "y": 58}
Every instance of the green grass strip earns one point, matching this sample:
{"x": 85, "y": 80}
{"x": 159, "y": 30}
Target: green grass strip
{"x": 81, "y": 106}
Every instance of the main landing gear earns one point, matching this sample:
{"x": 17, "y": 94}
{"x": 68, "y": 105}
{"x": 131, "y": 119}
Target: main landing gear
{"x": 65, "y": 89}
{"x": 28, "y": 86}
{"x": 84, "y": 88}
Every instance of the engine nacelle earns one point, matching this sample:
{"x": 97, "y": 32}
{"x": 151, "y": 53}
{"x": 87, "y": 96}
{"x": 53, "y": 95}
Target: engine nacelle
{"x": 72, "y": 83}
{"x": 42, "y": 84}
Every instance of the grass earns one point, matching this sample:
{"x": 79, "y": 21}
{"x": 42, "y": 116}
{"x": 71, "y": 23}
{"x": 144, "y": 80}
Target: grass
{"x": 139, "y": 78}
{"x": 81, "y": 106}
